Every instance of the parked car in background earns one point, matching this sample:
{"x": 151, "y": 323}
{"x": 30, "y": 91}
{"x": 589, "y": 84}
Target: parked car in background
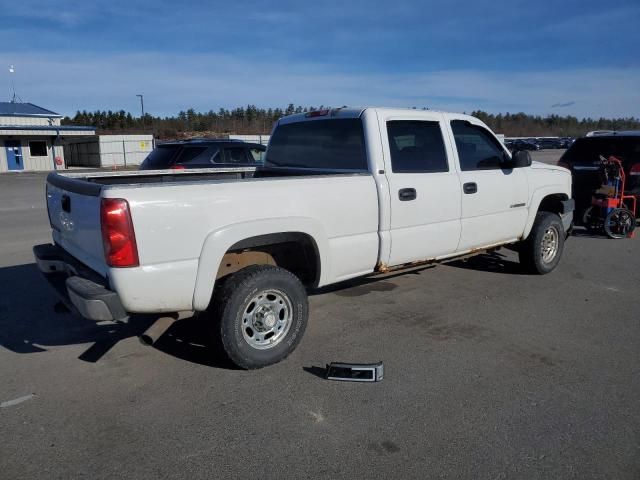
{"x": 524, "y": 145}
{"x": 205, "y": 153}
{"x": 567, "y": 141}
{"x": 583, "y": 160}
{"x": 549, "y": 143}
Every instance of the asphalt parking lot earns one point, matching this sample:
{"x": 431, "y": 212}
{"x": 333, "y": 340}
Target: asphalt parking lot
{"x": 488, "y": 374}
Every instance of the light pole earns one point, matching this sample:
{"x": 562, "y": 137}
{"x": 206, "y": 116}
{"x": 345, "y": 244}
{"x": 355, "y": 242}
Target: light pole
{"x": 142, "y": 109}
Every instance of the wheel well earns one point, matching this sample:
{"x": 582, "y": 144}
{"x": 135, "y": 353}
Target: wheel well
{"x": 293, "y": 251}
{"x": 552, "y": 203}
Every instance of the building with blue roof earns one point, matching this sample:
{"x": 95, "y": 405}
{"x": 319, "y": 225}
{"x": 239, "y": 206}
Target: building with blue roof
{"x": 32, "y": 137}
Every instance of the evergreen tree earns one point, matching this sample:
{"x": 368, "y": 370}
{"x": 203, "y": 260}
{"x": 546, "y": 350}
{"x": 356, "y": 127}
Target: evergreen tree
{"x": 254, "y": 120}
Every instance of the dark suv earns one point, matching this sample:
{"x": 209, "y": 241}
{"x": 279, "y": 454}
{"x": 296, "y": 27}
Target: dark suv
{"x": 204, "y": 154}
{"x": 583, "y": 159}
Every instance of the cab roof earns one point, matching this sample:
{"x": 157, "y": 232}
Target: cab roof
{"x": 356, "y": 112}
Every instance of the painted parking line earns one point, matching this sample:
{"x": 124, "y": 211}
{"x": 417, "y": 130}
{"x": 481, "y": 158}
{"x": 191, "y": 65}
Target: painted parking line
{"x": 16, "y": 401}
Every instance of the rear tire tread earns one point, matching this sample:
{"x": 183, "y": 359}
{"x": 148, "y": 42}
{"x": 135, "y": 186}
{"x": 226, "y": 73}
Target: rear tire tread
{"x": 225, "y": 310}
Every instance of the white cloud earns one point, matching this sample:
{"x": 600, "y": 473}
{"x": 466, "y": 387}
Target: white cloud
{"x": 66, "y": 83}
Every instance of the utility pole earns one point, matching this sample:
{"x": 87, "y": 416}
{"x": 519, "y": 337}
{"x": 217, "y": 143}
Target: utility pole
{"x": 142, "y": 110}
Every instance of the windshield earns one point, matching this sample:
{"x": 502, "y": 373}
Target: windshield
{"x": 587, "y": 151}
{"x": 160, "y": 157}
{"x": 336, "y": 144}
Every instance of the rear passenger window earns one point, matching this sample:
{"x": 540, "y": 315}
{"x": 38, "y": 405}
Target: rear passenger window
{"x": 257, "y": 155}
{"x": 336, "y": 144}
{"x": 416, "y": 147}
{"x": 214, "y": 155}
{"x": 235, "y": 155}
{"x": 190, "y": 155}
{"x": 477, "y": 148}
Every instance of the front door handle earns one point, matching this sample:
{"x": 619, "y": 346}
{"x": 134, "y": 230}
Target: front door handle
{"x": 470, "y": 187}
{"x": 406, "y": 194}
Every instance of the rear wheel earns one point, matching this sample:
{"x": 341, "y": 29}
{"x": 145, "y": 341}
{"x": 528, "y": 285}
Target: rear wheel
{"x": 540, "y": 253}
{"x": 619, "y": 223}
{"x": 261, "y": 314}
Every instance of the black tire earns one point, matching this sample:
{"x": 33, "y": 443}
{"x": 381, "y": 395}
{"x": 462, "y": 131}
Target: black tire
{"x": 236, "y": 319}
{"x": 620, "y": 223}
{"x": 531, "y": 252}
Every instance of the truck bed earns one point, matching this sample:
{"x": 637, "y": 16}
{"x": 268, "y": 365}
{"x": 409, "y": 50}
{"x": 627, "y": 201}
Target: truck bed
{"x": 87, "y": 182}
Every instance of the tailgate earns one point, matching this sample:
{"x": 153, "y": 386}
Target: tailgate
{"x": 74, "y": 214}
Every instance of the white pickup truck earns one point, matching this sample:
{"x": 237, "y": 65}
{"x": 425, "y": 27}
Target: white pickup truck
{"x": 344, "y": 193}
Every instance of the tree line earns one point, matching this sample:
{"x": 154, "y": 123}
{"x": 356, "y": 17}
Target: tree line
{"x": 254, "y": 120}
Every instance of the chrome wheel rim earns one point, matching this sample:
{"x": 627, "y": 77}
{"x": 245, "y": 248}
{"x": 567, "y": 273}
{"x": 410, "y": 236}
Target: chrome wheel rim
{"x": 550, "y": 242}
{"x": 266, "y": 319}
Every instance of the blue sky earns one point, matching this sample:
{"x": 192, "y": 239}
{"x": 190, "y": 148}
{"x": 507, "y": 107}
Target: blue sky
{"x": 565, "y": 57}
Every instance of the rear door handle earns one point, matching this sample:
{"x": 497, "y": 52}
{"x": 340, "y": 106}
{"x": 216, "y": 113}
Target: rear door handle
{"x": 406, "y": 194}
{"x": 470, "y": 187}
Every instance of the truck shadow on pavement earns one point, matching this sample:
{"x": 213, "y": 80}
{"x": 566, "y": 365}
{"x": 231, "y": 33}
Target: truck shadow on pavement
{"x": 192, "y": 340}
{"x": 496, "y": 262}
{"x": 357, "y": 287}
{"x": 589, "y": 233}
{"x": 30, "y": 324}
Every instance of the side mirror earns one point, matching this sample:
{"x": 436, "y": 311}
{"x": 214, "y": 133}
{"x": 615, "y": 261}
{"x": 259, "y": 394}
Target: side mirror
{"x": 520, "y": 159}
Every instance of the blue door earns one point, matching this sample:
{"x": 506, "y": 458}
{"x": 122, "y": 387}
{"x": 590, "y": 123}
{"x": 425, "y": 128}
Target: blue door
{"x": 14, "y": 155}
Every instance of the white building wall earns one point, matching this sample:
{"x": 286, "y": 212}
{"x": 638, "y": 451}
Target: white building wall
{"x": 58, "y": 153}
{"x": 3, "y": 158}
{"x": 43, "y": 133}
{"x": 44, "y": 128}
{"x": 32, "y": 162}
{"x": 29, "y": 121}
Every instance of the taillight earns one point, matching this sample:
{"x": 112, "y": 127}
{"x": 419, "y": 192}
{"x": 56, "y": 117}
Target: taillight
{"x": 635, "y": 170}
{"x": 176, "y": 167}
{"x": 118, "y": 237}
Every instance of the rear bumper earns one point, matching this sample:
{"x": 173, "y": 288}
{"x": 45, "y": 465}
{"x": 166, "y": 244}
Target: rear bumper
{"x": 79, "y": 288}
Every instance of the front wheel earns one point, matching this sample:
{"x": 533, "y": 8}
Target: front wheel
{"x": 261, "y": 314}
{"x": 540, "y": 253}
